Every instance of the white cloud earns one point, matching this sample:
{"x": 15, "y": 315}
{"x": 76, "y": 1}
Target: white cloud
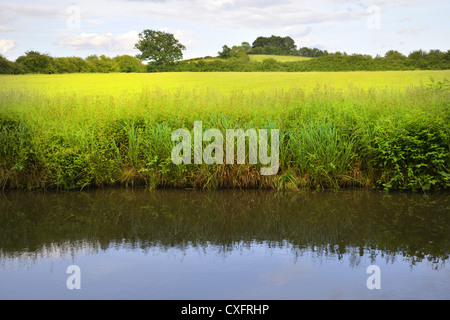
{"x": 10, "y": 13}
{"x": 413, "y": 29}
{"x": 252, "y": 14}
{"x": 95, "y": 21}
{"x": 296, "y": 31}
{"x": 6, "y": 45}
{"x": 183, "y": 36}
{"x": 255, "y": 14}
{"x": 6, "y": 28}
{"x": 108, "y": 42}
{"x": 115, "y": 44}
{"x": 203, "y": 26}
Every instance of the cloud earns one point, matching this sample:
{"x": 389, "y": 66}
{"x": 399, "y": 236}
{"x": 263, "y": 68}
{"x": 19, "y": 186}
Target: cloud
{"x": 296, "y": 31}
{"x": 262, "y": 14}
{"x": 184, "y": 36}
{"x": 6, "y": 45}
{"x": 122, "y": 43}
{"x": 416, "y": 29}
{"x": 413, "y": 29}
{"x": 251, "y": 13}
{"x": 10, "y": 13}
{"x": 95, "y": 21}
{"x": 6, "y": 28}
{"x": 109, "y": 42}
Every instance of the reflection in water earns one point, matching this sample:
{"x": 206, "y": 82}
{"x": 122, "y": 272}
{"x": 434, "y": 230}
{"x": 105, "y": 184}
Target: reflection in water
{"x": 356, "y": 226}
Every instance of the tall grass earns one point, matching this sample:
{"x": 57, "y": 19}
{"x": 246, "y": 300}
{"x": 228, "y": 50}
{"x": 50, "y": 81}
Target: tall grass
{"x": 329, "y": 138}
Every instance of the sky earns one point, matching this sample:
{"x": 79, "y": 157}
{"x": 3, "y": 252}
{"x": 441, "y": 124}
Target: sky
{"x": 111, "y": 27}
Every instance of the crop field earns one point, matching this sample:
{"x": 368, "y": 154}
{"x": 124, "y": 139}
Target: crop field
{"x": 388, "y": 130}
{"x": 261, "y": 57}
{"x": 224, "y": 82}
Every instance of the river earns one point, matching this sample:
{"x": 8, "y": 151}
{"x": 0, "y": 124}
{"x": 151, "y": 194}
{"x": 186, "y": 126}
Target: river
{"x": 230, "y": 244}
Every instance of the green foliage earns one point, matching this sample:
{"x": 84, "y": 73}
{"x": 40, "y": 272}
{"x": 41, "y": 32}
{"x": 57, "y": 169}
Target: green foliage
{"x": 35, "y": 62}
{"x": 433, "y": 60}
{"x": 6, "y": 66}
{"x": 246, "y": 46}
{"x": 412, "y": 152}
{"x": 394, "y": 55}
{"x": 225, "y": 53}
{"x": 311, "y": 52}
{"x": 440, "y": 86}
{"x": 274, "y": 45}
{"x": 321, "y": 151}
{"x": 72, "y": 65}
{"x": 329, "y": 138}
{"x": 233, "y": 59}
{"x": 129, "y": 64}
{"x": 239, "y": 53}
{"x": 102, "y": 64}
{"x": 159, "y": 47}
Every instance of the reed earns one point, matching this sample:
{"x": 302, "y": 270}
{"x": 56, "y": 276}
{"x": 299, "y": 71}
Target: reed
{"x": 330, "y": 137}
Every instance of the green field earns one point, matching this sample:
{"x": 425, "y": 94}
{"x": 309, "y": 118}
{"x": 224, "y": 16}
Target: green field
{"x": 259, "y": 58}
{"x": 388, "y": 130}
{"x": 118, "y": 83}
{"x": 262, "y": 57}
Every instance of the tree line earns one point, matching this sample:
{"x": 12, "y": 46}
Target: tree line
{"x": 274, "y": 45}
{"x": 161, "y": 52}
{"x": 36, "y": 62}
{"x": 393, "y": 60}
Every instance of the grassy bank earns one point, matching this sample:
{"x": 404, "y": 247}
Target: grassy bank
{"x": 74, "y": 132}
{"x": 262, "y": 57}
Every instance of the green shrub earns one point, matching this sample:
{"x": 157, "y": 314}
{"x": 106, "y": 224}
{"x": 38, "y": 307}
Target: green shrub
{"x": 412, "y": 153}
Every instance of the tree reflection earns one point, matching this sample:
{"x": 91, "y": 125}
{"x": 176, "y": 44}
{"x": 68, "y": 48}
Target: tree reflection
{"x": 353, "y": 224}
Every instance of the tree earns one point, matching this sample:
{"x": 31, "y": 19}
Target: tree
{"x": 225, "y": 53}
{"x": 128, "y": 63}
{"x": 275, "y": 45}
{"x": 6, "y": 66}
{"x": 36, "y": 62}
{"x": 159, "y": 47}
{"x": 394, "y": 55}
{"x": 239, "y": 53}
{"x": 102, "y": 64}
{"x": 311, "y": 52}
{"x": 246, "y": 46}
{"x": 417, "y": 55}
{"x": 70, "y": 65}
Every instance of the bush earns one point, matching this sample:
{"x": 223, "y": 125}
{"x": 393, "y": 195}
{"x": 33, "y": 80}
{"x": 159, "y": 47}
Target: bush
{"x": 6, "y": 66}
{"x": 413, "y": 152}
{"x": 129, "y": 64}
{"x": 35, "y": 62}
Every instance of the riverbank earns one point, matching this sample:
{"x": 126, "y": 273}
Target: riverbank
{"x": 329, "y": 137}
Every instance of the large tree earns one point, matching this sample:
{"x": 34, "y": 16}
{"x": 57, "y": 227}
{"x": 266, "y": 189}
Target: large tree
{"x": 275, "y": 45}
{"x": 36, "y": 62}
{"x": 159, "y": 47}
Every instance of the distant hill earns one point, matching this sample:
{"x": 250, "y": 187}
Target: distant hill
{"x": 257, "y": 57}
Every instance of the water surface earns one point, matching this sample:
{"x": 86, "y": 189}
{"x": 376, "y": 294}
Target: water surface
{"x": 136, "y": 244}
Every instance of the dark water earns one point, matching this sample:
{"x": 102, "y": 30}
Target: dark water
{"x": 224, "y": 245}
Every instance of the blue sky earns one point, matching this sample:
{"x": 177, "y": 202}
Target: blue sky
{"x": 111, "y": 27}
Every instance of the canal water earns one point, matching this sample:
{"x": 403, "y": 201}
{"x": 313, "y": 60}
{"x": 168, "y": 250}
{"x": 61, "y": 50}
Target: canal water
{"x": 168, "y": 244}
